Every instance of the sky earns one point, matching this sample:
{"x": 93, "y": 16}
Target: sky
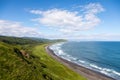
{"x": 92, "y": 20}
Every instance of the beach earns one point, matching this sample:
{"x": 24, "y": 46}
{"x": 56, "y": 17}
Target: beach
{"x": 89, "y": 74}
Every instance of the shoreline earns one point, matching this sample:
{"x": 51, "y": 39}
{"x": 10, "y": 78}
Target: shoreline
{"x": 87, "y": 73}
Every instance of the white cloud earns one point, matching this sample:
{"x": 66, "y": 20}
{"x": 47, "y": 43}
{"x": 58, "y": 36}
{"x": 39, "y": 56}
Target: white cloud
{"x": 86, "y": 37}
{"x": 70, "y": 21}
{"x": 93, "y": 8}
{"x": 11, "y": 28}
{"x": 36, "y": 11}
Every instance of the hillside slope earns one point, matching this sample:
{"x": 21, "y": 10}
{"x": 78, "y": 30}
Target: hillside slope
{"x": 30, "y": 62}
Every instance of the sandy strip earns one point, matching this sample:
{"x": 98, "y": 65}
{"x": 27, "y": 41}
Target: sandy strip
{"x": 89, "y": 74}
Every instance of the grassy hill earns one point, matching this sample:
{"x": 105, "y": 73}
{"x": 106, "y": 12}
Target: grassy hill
{"x": 26, "y": 59}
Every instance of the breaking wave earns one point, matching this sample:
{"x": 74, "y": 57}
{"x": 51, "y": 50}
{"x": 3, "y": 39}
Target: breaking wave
{"x": 108, "y": 72}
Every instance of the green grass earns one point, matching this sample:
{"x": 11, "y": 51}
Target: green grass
{"x": 54, "y": 68}
{"x": 40, "y": 66}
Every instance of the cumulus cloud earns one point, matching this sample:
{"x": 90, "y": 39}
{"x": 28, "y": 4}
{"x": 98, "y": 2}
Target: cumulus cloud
{"x": 70, "y": 21}
{"x": 12, "y": 28}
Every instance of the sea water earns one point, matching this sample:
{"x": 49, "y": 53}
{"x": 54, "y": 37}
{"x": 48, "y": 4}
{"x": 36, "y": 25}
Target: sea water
{"x": 103, "y": 57}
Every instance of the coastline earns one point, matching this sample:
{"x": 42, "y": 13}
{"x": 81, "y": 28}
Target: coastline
{"x": 89, "y": 74}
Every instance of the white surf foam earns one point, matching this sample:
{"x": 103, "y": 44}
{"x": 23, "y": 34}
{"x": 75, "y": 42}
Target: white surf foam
{"x": 59, "y": 52}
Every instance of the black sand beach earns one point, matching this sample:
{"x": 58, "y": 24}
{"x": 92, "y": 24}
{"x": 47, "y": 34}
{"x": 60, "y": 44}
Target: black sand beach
{"x": 89, "y": 74}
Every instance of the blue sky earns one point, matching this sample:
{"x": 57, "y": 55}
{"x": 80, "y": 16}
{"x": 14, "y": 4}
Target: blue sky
{"x": 67, "y": 19}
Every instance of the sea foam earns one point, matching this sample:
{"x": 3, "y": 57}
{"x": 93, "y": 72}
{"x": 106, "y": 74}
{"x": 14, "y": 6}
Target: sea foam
{"x": 59, "y": 52}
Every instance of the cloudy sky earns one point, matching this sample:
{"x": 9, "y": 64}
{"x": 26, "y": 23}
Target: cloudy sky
{"x": 66, "y": 19}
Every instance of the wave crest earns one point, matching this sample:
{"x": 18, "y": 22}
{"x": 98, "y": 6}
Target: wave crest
{"x": 59, "y": 52}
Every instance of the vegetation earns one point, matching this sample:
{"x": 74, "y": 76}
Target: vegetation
{"x": 26, "y": 59}
{"x": 26, "y": 40}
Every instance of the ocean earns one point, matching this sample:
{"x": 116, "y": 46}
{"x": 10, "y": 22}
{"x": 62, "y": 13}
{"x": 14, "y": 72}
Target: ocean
{"x": 103, "y": 57}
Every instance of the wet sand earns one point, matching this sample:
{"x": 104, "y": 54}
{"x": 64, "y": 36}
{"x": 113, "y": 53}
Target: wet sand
{"x": 89, "y": 74}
